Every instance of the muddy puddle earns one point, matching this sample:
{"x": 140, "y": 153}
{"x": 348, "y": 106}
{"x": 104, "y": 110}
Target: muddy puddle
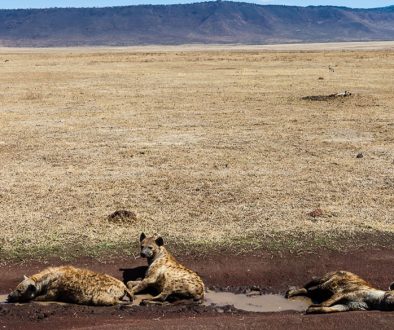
{"x": 252, "y": 302}
{"x": 256, "y": 302}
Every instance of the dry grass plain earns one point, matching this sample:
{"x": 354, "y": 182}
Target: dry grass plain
{"x": 211, "y": 148}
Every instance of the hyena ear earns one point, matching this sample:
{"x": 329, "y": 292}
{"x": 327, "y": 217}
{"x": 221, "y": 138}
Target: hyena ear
{"x": 142, "y": 237}
{"x": 391, "y": 287}
{"x": 159, "y": 241}
{"x": 31, "y": 290}
{"x": 25, "y": 277}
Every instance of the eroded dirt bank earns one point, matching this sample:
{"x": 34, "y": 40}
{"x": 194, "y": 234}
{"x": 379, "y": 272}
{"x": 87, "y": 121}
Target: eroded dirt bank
{"x": 269, "y": 273}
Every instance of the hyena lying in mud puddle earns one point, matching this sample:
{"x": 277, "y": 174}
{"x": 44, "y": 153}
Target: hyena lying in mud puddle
{"x": 70, "y": 284}
{"x": 166, "y": 275}
{"x": 344, "y": 291}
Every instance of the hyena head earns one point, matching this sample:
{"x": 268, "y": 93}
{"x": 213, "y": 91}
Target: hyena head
{"x": 388, "y": 300}
{"x": 25, "y": 291}
{"x": 150, "y": 246}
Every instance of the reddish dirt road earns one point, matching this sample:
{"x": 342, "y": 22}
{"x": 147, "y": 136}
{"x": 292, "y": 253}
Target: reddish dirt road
{"x": 234, "y": 273}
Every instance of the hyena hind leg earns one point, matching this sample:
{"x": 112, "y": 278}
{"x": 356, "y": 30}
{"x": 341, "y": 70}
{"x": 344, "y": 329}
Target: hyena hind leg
{"x": 296, "y": 292}
{"x": 159, "y": 299}
{"x": 331, "y": 309}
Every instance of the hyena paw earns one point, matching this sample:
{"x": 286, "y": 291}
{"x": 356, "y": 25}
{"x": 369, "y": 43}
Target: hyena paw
{"x": 315, "y": 305}
{"x": 289, "y": 293}
{"x": 132, "y": 284}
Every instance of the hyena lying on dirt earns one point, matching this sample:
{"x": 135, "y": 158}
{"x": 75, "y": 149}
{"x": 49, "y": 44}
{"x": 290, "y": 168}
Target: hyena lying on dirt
{"x": 165, "y": 274}
{"x": 70, "y": 284}
{"x": 344, "y": 291}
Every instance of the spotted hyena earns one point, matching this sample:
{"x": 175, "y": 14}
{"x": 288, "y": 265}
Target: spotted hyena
{"x": 344, "y": 291}
{"x": 70, "y": 284}
{"x": 165, "y": 274}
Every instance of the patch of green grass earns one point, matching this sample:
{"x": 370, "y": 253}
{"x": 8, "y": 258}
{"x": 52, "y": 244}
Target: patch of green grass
{"x": 295, "y": 243}
{"x": 277, "y": 243}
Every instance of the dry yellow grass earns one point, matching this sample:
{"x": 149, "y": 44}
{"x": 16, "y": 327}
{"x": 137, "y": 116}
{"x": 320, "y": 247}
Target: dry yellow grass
{"x": 208, "y": 147}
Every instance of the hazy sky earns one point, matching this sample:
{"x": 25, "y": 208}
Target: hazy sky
{"x": 8, "y": 4}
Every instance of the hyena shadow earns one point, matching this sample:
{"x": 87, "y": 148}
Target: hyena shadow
{"x": 133, "y": 274}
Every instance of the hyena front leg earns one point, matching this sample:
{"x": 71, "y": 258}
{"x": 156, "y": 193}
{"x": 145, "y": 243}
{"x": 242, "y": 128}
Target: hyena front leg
{"x": 131, "y": 284}
{"x": 127, "y": 293}
{"x": 142, "y": 285}
{"x": 51, "y": 295}
{"x": 329, "y": 302}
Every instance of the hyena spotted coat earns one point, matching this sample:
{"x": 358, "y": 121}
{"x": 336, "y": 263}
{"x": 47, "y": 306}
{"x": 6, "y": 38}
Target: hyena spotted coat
{"x": 73, "y": 285}
{"x": 344, "y": 291}
{"x": 165, "y": 274}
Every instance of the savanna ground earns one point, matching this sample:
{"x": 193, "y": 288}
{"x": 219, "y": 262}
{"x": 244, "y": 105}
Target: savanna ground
{"x": 213, "y": 148}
